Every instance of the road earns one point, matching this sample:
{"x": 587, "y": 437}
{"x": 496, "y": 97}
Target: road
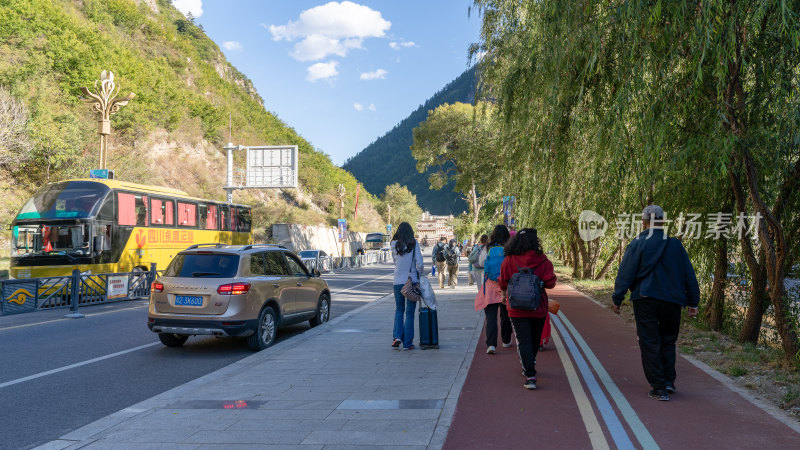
{"x": 61, "y": 374}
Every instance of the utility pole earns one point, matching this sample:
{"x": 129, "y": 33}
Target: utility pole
{"x": 105, "y": 105}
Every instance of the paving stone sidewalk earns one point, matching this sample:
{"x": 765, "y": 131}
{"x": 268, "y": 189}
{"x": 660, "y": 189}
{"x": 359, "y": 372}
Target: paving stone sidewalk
{"x": 339, "y": 385}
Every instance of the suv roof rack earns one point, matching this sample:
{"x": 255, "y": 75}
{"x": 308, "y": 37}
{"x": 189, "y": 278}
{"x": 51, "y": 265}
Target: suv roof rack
{"x": 248, "y": 247}
{"x": 211, "y": 244}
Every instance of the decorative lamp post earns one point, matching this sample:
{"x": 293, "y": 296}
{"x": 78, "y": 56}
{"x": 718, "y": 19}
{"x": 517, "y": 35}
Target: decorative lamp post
{"x": 105, "y": 102}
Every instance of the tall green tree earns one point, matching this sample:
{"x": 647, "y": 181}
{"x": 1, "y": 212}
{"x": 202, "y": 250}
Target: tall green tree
{"x": 399, "y": 205}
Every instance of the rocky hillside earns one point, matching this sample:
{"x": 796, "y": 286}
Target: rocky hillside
{"x": 171, "y": 134}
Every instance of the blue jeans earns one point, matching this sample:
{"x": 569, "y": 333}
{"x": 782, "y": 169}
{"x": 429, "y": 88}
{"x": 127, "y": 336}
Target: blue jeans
{"x": 403, "y": 331}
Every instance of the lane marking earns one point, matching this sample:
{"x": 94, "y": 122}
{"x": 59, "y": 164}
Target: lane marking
{"x": 366, "y": 282}
{"x": 639, "y": 430}
{"x": 613, "y": 423}
{"x": 66, "y": 319}
{"x": 596, "y": 436}
{"x": 73, "y": 366}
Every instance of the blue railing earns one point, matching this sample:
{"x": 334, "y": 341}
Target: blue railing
{"x": 72, "y": 291}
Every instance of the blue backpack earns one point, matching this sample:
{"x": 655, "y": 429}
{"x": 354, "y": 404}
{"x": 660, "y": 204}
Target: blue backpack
{"x": 494, "y": 259}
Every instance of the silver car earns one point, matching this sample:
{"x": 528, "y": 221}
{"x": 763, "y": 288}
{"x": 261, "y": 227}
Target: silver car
{"x": 235, "y": 290}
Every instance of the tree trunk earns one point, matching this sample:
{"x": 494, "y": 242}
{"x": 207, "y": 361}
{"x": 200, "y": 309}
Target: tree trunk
{"x": 576, "y": 259}
{"x": 716, "y": 307}
{"x": 600, "y": 275}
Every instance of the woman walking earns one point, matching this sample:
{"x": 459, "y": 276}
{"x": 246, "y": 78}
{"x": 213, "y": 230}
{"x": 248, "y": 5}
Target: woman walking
{"x": 407, "y": 263}
{"x": 490, "y": 296}
{"x": 524, "y": 250}
{"x": 477, "y": 264}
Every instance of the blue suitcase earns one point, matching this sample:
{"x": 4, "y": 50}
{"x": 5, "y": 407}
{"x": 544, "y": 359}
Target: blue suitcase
{"x": 428, "y": 328}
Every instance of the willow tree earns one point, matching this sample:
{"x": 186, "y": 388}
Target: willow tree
{"x": 686, "y": 103}
{"x": 459, "y": 141}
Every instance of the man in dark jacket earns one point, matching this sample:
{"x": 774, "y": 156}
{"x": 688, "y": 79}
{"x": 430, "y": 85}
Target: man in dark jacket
{"x": 661, "y": 279}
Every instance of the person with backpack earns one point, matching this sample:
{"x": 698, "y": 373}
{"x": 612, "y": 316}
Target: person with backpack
{"x": 439, "y": 260}
{"x": 407, "y": 264}
{"x": 525, "y": 275}
{"x": 452, "y": 255}
{"x": 490, "y": 296}
{"x": 476, "y": 264}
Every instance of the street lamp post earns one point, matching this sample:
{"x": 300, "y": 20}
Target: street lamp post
{"x": 105, "y": 103}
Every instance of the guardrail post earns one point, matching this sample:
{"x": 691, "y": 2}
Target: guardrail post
{"x": 75, "y": 296}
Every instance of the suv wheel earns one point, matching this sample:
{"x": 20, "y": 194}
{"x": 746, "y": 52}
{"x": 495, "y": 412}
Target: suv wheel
{"x": 266, "y": 331}
{"x": 172, "y": 340}
{"x": 323, "y": 311}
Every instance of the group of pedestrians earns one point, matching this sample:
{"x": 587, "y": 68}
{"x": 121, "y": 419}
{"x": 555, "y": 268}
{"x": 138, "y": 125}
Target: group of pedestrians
{"x": 655, "y": 269}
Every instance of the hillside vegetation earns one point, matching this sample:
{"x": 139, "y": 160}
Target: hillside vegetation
{"x": 171, "y": 134}
{"x": 388, "y": 160}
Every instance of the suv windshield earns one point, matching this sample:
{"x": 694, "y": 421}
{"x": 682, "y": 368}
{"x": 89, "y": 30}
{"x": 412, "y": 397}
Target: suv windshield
{"x": 209, "y": 265}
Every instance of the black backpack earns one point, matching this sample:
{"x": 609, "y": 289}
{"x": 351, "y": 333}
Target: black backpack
{"x": 451, "y": 256}
{"x": 525, "y": 290}
{"x": 439, "y": 253}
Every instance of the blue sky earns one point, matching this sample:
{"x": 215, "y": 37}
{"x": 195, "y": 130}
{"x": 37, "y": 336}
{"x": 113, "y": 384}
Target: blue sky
{"x": 341, "y": 73}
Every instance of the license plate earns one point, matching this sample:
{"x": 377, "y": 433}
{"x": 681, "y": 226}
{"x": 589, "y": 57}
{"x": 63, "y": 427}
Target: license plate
{"x": 188, "y": 300}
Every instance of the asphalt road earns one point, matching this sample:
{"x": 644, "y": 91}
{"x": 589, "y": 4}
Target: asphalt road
{"x": 61, "y": 374}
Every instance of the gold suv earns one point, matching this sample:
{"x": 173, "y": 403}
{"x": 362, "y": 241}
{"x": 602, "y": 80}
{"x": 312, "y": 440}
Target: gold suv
{"x": 235, "y": 290}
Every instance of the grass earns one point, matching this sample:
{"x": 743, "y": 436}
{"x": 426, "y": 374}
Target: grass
{"x": 759, "y": 367}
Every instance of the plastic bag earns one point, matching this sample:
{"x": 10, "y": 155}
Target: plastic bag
{"x": 428, "y": 297}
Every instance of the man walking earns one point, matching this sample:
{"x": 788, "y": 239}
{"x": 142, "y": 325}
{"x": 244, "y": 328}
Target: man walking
{"x": 657, "y": 270}
{"x": 439, "y": 260}
{"x": 452, "y": 255}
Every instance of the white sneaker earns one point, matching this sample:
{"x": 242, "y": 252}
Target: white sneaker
{"x": 491, "y": 350}
{"x": 506, "y": 345}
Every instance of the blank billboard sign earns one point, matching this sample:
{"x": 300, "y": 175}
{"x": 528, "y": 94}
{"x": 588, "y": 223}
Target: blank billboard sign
{"x": 273, "y": 166}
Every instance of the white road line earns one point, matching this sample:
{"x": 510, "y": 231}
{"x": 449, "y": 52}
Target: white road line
{"x": 72, "y": 366}
{"x": 639, "y": 430}
{"x": 66, "y": 318}
{"x": 366, "y": 282}
{"x": 596, "y": 436}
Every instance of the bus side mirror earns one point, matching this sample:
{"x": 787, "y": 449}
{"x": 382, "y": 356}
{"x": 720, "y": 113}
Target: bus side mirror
{"x": 97, "y": 244}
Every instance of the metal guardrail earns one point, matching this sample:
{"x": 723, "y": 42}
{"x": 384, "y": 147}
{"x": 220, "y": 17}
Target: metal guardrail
{"x": 36, "y": 294}
{"x": 329, "y": 263}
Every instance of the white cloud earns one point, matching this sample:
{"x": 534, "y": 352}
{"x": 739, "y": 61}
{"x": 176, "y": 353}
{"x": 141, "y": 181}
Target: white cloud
{"x": 358, "y": 106}
{"x": 401, "y": 44}
{"x": 321, "y": 71}
{"x": 372, "y": 107}
{"x": 232, "y": 46}
{"x": 189, "y": 6}
{"x": 379, "y": 74}
{"x": 331, "y": 29}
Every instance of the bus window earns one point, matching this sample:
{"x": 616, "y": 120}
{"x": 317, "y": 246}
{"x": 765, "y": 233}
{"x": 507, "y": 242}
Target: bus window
{"x": 243, "y": 219}
{"x": 106, "y": 211}
{"x": 187, "y": 214}
{"x": 161, "y": 212}
{"x": 131, "y": 209}
{"x": 224, "y": 218}
{"x": 208, "y": 216}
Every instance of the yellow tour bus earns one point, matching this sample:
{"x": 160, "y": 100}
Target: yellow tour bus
{"x": 109, "y": 226}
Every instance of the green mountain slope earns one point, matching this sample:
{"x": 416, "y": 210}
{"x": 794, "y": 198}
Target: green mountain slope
{"x": 388, "y": 160}
{"x": 171, "y": 134}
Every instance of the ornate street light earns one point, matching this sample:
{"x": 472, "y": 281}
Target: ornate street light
{"x": 105, "y": 102}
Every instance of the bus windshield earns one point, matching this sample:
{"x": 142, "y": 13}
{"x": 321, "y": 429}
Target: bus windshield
{"x": 65, "y": 200}
{"x": 70, "y": 240}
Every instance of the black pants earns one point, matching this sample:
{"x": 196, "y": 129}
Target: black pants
{"x": 491, "y": 324}
{"x": 657, "y": 325}
{"x": 529, "y": 336}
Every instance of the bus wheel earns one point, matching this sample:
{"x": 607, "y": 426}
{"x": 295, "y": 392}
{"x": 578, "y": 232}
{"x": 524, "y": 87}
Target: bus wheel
{"x": 172, "y": 340}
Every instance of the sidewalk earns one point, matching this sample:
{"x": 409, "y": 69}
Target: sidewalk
{"x": 337, "y": 385}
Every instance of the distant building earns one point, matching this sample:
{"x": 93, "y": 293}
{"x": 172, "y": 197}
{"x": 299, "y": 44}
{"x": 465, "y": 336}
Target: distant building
{"x": 431, "y": 228}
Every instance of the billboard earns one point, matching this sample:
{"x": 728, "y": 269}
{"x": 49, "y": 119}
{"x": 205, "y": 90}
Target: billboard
{"x": 271, "y": 166}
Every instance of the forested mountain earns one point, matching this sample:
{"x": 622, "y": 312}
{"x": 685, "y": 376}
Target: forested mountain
{"x": 170, "y": 134}
{"x": 388, "y": 159}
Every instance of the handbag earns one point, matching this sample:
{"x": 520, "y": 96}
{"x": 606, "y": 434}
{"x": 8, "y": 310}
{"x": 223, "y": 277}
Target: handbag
{"x": 553, "y": 306}
{"x": 411, "y": 290}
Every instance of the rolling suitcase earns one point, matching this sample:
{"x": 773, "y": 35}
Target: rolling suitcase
{"x": 428, "y": 328}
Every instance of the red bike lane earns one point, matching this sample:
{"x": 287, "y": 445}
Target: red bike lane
{"x": 592, "y": 393}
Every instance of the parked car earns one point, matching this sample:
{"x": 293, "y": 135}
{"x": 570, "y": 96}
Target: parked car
{"x": 235, "y": 290}
{"x": 316, "y": 259}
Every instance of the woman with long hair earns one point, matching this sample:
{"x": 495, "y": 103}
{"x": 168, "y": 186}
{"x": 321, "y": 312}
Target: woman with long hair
{"x": 407, "y": 263}
{"x": 524, "y": 250}
{"x": 477, "y": 267}
{"x": 490, "y": 297}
